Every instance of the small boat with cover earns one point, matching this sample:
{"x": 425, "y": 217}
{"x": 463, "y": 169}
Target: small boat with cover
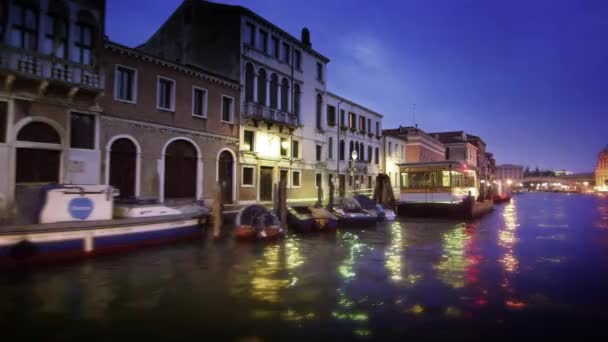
{"x": 257, "y": 222}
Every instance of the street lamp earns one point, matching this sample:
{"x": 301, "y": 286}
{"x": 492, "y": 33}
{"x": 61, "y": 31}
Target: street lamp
{"x": 353, "y": 156}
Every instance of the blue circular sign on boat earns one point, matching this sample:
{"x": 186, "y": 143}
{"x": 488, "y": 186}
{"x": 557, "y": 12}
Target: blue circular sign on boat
{"x": 80, "y": 208}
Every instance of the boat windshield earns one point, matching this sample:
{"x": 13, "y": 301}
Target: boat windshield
{"x": 433, "y": 179}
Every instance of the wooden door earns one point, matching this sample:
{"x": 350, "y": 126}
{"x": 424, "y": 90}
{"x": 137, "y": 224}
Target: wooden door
{"x": 265, "y": 184}
{"x": 180, "y": 170}
{"x": 123, "y": 159}
{"x": 226, "y": 175}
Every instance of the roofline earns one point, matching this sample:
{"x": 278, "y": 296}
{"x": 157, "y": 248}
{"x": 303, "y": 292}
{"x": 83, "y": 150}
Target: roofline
{"x": 352, "y": 103}
{"x": 108, "y": 44}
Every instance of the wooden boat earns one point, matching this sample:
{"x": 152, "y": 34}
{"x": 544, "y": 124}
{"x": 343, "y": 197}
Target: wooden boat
{"x": 75, "y": 221}
{"x": 370, "y": 206}
{"x": 441, "y": 189}
{"x": 305, "y": 219}
{"x": 350, "y": 214}
{"x": 256, "y": 222}
{"x": 504, "y": 198}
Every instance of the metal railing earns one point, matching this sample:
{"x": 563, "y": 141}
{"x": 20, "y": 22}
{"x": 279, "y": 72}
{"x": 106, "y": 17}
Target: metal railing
{"x": 42, "y": 66}
{"x": 261, "y": 112}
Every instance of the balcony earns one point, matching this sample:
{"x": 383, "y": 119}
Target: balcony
{"x": 269, "y": 115}
{"x": 33, "y": 65}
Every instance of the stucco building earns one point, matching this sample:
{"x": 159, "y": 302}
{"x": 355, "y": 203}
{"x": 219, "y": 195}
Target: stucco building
{"x": 167, "y": 131}
{"x": 282, "y": 100}
{"x": 393, "y": 153}
{"x": 51, "y": 80}
{"x": 420, "y": 146}
{"x": 601, "y": 171}
{"x": 506, "y": 172}
{"x": 353, "y": 136}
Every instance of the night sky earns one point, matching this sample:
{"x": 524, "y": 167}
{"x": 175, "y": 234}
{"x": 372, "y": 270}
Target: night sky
{"x": 529, "y": 77}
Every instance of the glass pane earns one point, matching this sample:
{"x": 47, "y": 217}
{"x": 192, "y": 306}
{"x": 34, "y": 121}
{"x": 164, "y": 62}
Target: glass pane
{"x": 16, "y": 37}
{"x": 226, "y": 107}
{"x": 86, "y": 56}
{"x": 82, "y": 131}
{"x": 87, "y": 35}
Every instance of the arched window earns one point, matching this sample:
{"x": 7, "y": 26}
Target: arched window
{"x": 330, "y": 148}
{"x": 351, "y": 147}
{"x": 285, "y": 95}
{"x": 249, "y": 82}
{"x": 341, "y": 152}
{"x": 262, "y": 87}
{"x": 361, "y": 156}
{"x": 38, "y": 165}
{"x": 39, "y": 132}
{"x": 274, "y": 91}
{"x": 319, "y": 110}
{"x": 369, "y": 153}
{"x": 376, "y": 156}
{"x": 296, "y": 99}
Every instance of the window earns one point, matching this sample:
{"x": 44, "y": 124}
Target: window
{"x": 296, "y": 99}
{"x": 295, "y": 149}
{"x": 263, "y": 43}
{"x": 262, "y": 86}
{"x": 25, "y": 27}
{"x": 284, "y": 145}
{"x": 319, "y": 180}
{"x": 295, "y": 179}
{"x": 320, "y": 72}
{"x": 286, "y": 51}
{"x": 319, "y": 111}
{"x": 3, "y": 121}
{"x": 165, "y": 94}
{"x": 227, "y": 108}
{"x": 248, "y": 178}
{"x": 342, "y": 117}
{"x": 369, "y": 125}
{"x": 199, "y": 102}
{"x": 83, "y": 45}
{"x": 352, "y": 120}
{"x": 362, "y": 124}
{"x": 376, "y": 156}
{"x": 331, "y": 115}
{"x": 249, "y": 34}
{"x": 248, "y": 141}
{"x": 249, "y": 82}
{"x": 319, "y": 152}
{"x": 369, "y": 153}
{"x": 55, "y": 36}
{"x": 330, "y": 148}
{"x": 342, "y": 148}
{"x": 297, "y": 56}
{"x": 274, "y": 91}
{"x": 125, "y": 84}
{"x": 377, "y": 128}
{"x": 82, "y": 131}
{"x": 390, "y": 149}
{"x": 285, "y": 95}
{"x": 274, "y": 47}
{"x": 283, "y": 176}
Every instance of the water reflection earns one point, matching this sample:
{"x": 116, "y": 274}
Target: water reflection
{"x": 394, "y": 253}
{"x": 451, "y": 269}
{"x": 507, "y": 239}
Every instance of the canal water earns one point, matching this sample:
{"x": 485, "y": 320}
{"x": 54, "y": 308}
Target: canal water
{"x": 535, "y": 267}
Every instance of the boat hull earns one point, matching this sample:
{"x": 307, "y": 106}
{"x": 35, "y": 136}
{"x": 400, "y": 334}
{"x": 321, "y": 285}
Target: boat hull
{"x": 462, "y": 210}
{"x": 39, "y": 245}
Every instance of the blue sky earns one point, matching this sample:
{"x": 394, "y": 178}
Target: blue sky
{"x": 529, "y": 77}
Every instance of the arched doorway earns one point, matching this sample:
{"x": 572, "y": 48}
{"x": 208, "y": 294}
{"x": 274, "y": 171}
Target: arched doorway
{"x": 181, "y": 160}
{"x": 38, "y": 154}
{"x": 123, "y": 166}
{"x": 225, "y": 171}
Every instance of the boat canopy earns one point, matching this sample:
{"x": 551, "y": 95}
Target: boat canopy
{"x": 436, "y": 176}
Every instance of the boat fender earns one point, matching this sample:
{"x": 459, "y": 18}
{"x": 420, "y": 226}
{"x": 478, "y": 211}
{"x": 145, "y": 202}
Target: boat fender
{"x": 24, "y": 249}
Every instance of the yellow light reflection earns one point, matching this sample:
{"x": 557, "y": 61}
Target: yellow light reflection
{"x": 452, "y": 267}
{"x": 394, "y": 253}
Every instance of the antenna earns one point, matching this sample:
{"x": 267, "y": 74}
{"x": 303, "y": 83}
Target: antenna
{"x": 414, "y": 115}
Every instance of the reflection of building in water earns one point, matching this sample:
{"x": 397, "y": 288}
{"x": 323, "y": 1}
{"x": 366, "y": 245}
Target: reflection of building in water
{"x": 355, "y": 248}
{"x": 507, "y": 240}
{"x": 394, "y": 253}
{"x": 265, "y": 280}
{"x": 453, "y": 265}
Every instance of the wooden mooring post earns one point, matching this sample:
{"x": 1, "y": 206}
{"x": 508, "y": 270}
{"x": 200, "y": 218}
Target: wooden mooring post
{"x": 280, "y": 203}
{"x": 217, "y": 211}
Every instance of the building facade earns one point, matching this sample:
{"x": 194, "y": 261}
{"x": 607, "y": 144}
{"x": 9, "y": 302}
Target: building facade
{"x": 393, "y": 154}
{"x": 282, "y": 99}
{"x": 353, "y": 136}
{"x": 460, "y": 147}
{"x": 168, "y": 131}
{"x": 601, "y": 171}
{"x": 50, "y": 53}
{"x": 420, "y": 146}
{"x": 506, "y": 172}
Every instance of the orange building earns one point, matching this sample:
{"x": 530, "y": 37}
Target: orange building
{"x": 601, "y": 171}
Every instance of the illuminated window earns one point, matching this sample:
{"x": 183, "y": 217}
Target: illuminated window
{"x": 284, "y": 145}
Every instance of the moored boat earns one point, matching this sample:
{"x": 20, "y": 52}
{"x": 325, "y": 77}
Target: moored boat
{"x": 256, "y": 222}
{"x": 75, "y": 221}
{"x": 351, "y": 215}
{"x": 370, "y": 206}
{"x": 305, "y": 219}
{"x": 441, "y": 189}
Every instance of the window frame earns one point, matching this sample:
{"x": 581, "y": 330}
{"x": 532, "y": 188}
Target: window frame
{"x": 95, "y": 130}
{"x": 297, "y": 56}
{"x": 231, "y": 109}
{"x": 296, "y": 150}
{"x": 4, "y": 123}
{"x": 205, "y": 102}
{"x": 287, "y": 180}
{"x": 331, "y": 114}
{"x": 158, "y": 97}
{"x": 22, "y": 26}
{"x": 54, "y": 19}
{"x": 320, "y": 72}
{"x": 263, "y": 41}
{"x": 246, "y": 185}
{"x": 252, "y": 35}
{"x": 299, "y": 172}
{"x": 318, "y": 176}
{"x": 116, "y": 82}
{"x": 319, "y": 152}
{"x": 276, "y": 49}
{"x": 252, "y": 145}
{"x": 286, "y": 52}
{"x": 79, "y": 43}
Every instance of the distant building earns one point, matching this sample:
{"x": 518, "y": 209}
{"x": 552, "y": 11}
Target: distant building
{"x": 559, "y": 173}
{"x": 394, "y": 148}
{"x": 601, "y": 171}
{"x": 419, "y": 145}
{"x": 462, "y": 147}
{"x": 490, "y": 166}
{"x": 506, "y": 172}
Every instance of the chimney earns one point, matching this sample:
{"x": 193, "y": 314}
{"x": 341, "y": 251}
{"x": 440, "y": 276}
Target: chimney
{"x": 306, "y": 37}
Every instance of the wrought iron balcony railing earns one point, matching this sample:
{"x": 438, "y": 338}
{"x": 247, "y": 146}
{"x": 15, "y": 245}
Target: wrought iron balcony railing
{"x": 272, "y": 115}
{"x": 39, "y": 66}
